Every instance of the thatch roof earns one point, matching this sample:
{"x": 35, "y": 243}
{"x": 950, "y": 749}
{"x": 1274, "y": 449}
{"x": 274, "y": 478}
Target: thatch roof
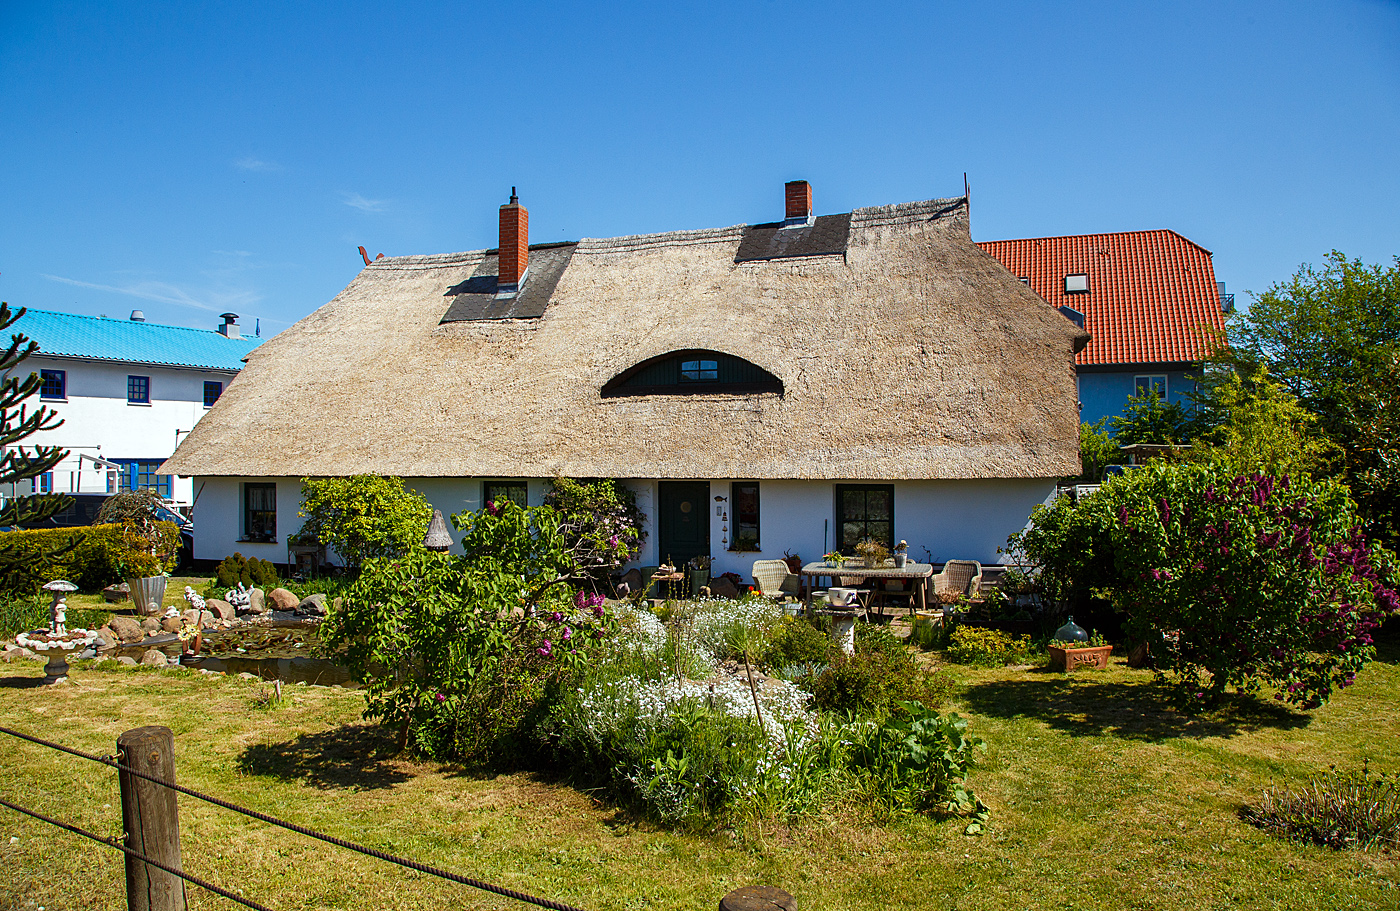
{"x": 911, "y": 355}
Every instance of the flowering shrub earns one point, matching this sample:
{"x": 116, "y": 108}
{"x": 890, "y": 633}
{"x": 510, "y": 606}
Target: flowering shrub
{"x": 1236, "y": 580}
{"x": 464, "y": 653}
{"x": 600, "y": 522}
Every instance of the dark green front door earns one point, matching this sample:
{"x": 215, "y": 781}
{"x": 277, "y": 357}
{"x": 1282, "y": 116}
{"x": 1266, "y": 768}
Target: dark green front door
{"x": 683, "y": 520}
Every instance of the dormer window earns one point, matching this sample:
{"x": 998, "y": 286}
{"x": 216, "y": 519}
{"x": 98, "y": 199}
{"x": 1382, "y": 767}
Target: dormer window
{"x": 692, "y": 372}
{"x": 1077, "y": 283}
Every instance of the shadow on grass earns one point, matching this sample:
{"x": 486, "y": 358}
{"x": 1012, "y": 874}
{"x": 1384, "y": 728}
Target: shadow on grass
{"x": 357, "y": 756}
{"x": 20, "y": 683}
{"x": 1133, "y": 711}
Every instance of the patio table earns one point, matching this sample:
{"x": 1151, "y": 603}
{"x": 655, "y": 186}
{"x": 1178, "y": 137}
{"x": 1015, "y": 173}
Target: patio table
{"x": 918, "y": 573}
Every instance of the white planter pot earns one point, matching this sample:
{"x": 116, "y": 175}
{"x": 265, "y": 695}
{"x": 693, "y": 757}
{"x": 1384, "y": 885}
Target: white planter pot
{"x": 147, "y": 595}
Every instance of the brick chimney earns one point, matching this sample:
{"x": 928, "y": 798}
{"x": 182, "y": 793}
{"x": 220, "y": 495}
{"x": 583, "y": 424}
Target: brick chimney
{"x": 515, "y": 243}
{"x": 798, "y": 194}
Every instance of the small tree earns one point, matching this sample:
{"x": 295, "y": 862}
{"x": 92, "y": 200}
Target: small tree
{"x": 17, "y": 422}
{"x": 1147, "y": 419}
{"x": 1097, "y": 450}
{"x": 1237, "y": 580}
{"x": 363, "y": 516}
{"x": 600, "y": 523}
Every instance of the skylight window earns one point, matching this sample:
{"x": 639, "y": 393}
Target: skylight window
{"x": 1077, "y": 283}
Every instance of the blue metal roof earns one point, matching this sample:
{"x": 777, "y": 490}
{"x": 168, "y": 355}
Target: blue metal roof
{"x": 99, "y": 338}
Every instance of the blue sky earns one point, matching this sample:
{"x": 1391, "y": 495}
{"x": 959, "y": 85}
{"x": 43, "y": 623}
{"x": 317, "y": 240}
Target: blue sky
{"x": 188, "y": 159}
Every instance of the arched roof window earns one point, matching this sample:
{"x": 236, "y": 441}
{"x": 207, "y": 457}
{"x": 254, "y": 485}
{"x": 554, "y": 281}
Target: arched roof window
{"x": 693, "y": 371}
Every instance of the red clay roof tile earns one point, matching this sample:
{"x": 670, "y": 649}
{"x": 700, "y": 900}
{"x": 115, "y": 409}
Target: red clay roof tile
{"x": 1151, "y": 293}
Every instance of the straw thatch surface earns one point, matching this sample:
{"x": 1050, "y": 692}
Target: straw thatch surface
{"x": 915, "y": 355}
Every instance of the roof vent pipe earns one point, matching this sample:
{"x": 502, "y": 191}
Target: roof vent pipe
{"x": 514, "y": 253}
{"x": 797, "y": 194}
{"x": 137, "y": 316}
{"x": 230, "y": 325}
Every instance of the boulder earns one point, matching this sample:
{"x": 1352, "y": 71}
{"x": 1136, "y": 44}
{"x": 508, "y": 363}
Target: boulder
{"x": 723, "y": 588}
{"x": 150, "y": 624}
{"x": 105, "y": 638}
{"x": 126, "y": 629}
{"x": 222, "y": 610}
{"x": 314, "y": 605}
{"x": 154, "y": 658}
{"x": 126, "y": 661}
{"x": 206, "y": 619}
{"x": 257, "y": 602}
{"x": 171, "y": 624}
{"x": 191, "y": 617}
{"x": 283, "y": 599}
{"x": 14, "y": 653}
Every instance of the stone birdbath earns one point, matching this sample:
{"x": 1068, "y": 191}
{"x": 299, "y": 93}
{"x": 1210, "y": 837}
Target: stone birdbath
{"x": 57, "y": 641}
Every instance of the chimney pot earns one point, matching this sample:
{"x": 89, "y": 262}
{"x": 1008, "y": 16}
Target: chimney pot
{"x": 798, "y": 195}
{"x": 138, "y": 316}
{"x": 514, "y": 254}
{"x": 230, "y": 325}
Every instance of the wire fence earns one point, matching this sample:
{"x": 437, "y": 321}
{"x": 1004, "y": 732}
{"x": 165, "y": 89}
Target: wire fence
{"x": 114, "y": 762}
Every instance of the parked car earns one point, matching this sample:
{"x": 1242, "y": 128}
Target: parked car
{"x": 85, "y": 506}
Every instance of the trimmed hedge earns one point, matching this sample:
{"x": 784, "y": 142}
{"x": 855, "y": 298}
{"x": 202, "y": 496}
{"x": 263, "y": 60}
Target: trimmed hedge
{"x": 90, "y": 556}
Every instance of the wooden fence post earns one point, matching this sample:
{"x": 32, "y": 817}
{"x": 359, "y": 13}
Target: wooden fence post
{"x": 150, "y": 820}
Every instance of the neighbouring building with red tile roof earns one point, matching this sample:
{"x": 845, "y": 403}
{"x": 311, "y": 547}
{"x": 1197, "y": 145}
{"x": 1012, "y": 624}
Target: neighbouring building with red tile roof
{"x": 1148, "y": 299}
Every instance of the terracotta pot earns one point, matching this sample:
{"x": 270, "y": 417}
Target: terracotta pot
{"x": 1070, "y": 659}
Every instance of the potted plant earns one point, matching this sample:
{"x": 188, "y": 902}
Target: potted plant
{"x": 1077, "y": 649}
{"x": 834, "y": 559}
{"x": 901, "y": 554}
{"x": 873, "y": 552}
{"x": 143, "y": 565}
{"x": 699, "y": 572}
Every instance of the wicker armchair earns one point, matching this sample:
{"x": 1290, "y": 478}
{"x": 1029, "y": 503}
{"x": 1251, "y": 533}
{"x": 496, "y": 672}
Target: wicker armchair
{"x": 960, "y": 577}
{"x": 773, "y": 579}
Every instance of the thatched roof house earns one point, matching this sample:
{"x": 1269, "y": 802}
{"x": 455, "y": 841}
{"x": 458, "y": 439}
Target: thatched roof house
{"x": 879, "y": 345}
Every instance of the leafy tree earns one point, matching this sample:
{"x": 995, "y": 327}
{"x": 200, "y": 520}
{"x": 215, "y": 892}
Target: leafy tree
{"x": 460, "y": 652}
{"x": 1147, "y": 419}
{"x": 1237, "y": 580}
{"x": 1262, "y": 428}
{"x": 1331, "y": 337}
{"x": 18, "y": 422}
{"x": 363, "y": 516}
{"x": 1097, "y": 450}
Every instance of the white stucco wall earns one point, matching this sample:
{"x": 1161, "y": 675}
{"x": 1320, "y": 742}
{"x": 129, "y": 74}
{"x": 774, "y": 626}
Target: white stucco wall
{"x": 953, "y": 519}
{"x": 98, "y": 420}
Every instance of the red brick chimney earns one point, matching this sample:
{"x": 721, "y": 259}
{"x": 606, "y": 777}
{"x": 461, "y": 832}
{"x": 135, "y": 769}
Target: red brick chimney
{"x": 515, "y": 241}
{"x": 798, "y": 194}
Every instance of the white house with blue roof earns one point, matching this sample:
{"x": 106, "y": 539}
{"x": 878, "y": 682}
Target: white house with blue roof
{"x": 127, "y": 391}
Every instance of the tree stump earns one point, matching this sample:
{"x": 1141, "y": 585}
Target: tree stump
{"x": 758, "y": 898}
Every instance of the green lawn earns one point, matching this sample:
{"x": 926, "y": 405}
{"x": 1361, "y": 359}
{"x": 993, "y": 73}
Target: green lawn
{"x": 1101, "y": 798}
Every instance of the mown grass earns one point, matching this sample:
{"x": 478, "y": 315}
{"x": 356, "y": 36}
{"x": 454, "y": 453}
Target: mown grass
{"x": 1102, "y": 796}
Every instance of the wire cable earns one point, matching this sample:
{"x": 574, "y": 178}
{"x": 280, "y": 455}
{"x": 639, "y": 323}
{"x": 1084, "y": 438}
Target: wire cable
{"x": 302, "y": 830}
{"x": 187, "y": 877}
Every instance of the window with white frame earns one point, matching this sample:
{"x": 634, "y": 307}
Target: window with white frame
{"x": 1151, "y": 383}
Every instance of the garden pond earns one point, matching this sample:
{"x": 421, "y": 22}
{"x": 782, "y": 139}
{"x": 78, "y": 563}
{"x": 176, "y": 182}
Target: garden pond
{"x": 290, "y": 651}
